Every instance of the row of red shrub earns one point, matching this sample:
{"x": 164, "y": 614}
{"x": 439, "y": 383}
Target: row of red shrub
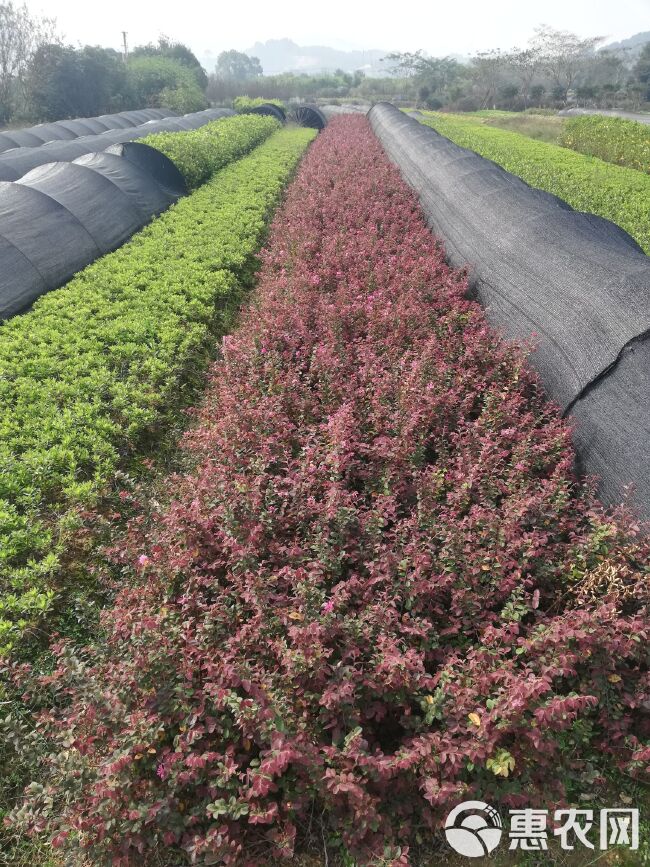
{"x": 382, "y": 590}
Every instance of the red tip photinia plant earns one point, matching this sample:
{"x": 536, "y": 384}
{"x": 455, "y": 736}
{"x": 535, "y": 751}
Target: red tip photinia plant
{"x": 381, "y": 591}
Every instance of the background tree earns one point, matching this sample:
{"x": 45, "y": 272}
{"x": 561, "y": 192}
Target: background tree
{"x": 602, "y": 77}
{"x": 487, "y": 75}
{"x": 525, "y": 65}
{"x": 20, "y": 36}
{"x": 237, "y": 66}
{"x": 537, "y": 92}
{"x": 434, "y": 76}
{"x": 64, "y": 81}
{"x": 642, "y": 71}
{"x": 564, "y": 56}
{"x": 166, "y": 47}
{"x": 156, "y": 81}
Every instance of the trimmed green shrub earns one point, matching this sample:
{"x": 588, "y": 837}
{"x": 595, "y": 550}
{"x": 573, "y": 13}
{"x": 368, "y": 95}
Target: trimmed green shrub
{"x": 613, "y": 139}
{"x": 199, "y": 153}
{"x": 164, "y": 81}
{"x": 92, "y": 370}
{"x": 587, "y": 183}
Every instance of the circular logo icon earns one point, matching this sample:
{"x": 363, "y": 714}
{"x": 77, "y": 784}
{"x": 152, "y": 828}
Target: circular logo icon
{"x": 473, "y": 829}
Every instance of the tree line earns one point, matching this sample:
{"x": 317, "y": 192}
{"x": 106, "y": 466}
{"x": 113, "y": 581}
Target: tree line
{"x": 42, "y": 78}
{"x": 555, "y": 69}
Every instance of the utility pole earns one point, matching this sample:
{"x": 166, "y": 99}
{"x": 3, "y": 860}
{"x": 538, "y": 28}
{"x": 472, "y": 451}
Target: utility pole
{"x": 126, "y": 47}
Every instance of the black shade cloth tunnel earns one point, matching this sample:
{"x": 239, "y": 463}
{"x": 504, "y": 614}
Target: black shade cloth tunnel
{"x": 73, "y": 190}
{"x": 577, "y": 282}
{"x": 304, "y": 115}
{"x": 34, "y": 136}
{"x": 17, "y": 162}
{"x": 65, "y": 203}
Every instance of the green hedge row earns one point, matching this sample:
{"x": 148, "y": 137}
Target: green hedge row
{"x": 588, "y": 184}
{"x": 200, "y": 153}
{"x": 613, "y": 139}
{"x": 91, "y": 371}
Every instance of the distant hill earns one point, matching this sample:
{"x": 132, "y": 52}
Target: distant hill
{"x": 283, "y": 55}
{"x": 629, "y": 49}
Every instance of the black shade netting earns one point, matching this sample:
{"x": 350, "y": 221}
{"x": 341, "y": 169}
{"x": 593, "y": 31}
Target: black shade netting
{"x": 80, "y": 126}
{"x": 21, "y": 283}
{"x": 269, "y": 110}
{"x": 19, "y": 138}
{"x": 54, "y": 131}
{"x": 146, "y": 194}
{"x": 106, "y": 212}
{"x": 61, "y": 216}
{"x": 35, "y": 136}
{"x": 114, "y": 121}
{"x": 50, "y": 238}
{"x": 574, "y": 283}
{"x": 17, "y": 162}
{"x": 310, "y": 116}
{"x": 152, "y": 164}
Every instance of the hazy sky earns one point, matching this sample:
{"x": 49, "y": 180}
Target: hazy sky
{"x": 438, "y": 26}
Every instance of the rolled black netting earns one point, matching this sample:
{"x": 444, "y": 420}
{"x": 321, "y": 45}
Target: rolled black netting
{"x": 311, "y": 116}
{"x": 270, "y": 110}
{"x": 576, "y": 283}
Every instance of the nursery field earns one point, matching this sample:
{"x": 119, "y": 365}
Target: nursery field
{"x": 373, "y": 588}
{"x": 587, "y": 183}
{"x": 296, "y": 554}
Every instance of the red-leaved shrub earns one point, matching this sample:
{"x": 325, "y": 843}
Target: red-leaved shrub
{"x": 382, "y": 590}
